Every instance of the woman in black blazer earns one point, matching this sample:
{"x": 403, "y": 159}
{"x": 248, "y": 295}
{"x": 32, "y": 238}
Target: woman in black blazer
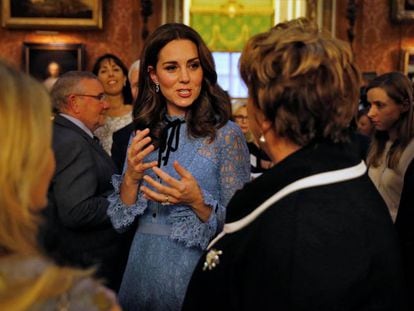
{"x": 312, "y": 232}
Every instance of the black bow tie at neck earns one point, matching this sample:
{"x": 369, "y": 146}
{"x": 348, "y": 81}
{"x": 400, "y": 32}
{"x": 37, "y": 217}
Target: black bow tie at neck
{"x": 166, "y": 141}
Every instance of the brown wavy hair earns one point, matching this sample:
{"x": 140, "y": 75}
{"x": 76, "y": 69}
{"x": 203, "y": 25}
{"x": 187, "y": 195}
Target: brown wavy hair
{"x": 210, "y": 111}
{"x": 303, "y": 80}
{"x": 400, "y": 89}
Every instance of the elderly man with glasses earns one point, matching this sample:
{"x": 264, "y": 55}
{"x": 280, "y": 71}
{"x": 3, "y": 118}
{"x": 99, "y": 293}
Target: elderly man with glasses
{"x": 77, "y": 230}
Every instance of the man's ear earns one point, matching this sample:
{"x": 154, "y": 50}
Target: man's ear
{"x": 152, "y": 73}
{"x": 72, "y": 104}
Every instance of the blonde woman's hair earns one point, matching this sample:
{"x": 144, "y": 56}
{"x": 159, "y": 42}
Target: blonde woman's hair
{"x": 236, "y": 105}
{"x": 25, "y": 127}
{"x": 303, "y": 80}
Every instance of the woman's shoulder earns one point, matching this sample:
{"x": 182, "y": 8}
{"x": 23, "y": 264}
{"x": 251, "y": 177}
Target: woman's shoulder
{"x": 407, "y": 156}
{"x": 117, "y": 121}
{"x": 230, "y": 128}
{"x": 88, "y": 294}
{"x": 84, "y": 294}
{"x": 410, "y": 145}
{"x": 20, "y": 275}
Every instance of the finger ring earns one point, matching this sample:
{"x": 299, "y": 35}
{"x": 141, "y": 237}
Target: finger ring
{"x": 166, "y": 201}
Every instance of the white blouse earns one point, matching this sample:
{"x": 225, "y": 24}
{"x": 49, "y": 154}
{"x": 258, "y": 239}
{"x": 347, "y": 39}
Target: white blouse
{"x": 389, "y": 182}
{"x": 112, "y": 124}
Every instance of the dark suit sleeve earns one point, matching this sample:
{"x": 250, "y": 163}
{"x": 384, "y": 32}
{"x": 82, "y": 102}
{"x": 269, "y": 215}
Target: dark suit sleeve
{"x": 75, "y": 186}
{"x": 120, "y": 140}
{"x": 405, "y": 227}
{"x": 405, "y": 218}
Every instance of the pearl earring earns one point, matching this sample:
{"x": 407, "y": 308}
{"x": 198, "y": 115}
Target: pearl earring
{"x": 157, "y": 87}
{"x": 262, "y": 139}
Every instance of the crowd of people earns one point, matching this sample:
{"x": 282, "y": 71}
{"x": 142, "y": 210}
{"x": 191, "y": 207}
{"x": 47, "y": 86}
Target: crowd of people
{"x": 149, "y": 188}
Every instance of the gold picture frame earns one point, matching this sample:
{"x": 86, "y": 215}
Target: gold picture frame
{"x": 57, "y": 14}
{"x": 37, "y": 57}
{"x": 402, "y": 10}
{"x": 407, "y": 65}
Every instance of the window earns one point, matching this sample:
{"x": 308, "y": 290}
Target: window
{"x": 227, "y": 67}
{"x": 226, "y": 25}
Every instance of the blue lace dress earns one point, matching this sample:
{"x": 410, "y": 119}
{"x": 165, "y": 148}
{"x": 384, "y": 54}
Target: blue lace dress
{"x": 170, "y": 239}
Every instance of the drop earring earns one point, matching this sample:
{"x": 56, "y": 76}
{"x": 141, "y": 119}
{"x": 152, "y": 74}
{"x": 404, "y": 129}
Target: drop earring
{"x": 157, "y": 87}
{"x": 262, "y": 139}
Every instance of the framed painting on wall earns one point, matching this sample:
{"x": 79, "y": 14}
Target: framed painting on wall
{"x": 407, "y": 65}
{"x": 52, "y": 14}
{"x": 402, "y": 10}
{"x": 46, "y": 61}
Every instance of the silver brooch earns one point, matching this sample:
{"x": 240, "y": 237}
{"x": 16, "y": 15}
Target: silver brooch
{"x": 212, "y": 259}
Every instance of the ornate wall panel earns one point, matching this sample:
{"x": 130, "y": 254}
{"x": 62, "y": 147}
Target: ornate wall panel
{"x": 226, "y": 25}
{"x": 121, "y": 34}
{"x": 379, "y": 41}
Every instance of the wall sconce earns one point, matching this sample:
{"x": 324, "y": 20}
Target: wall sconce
{"x": 232, "y": 8}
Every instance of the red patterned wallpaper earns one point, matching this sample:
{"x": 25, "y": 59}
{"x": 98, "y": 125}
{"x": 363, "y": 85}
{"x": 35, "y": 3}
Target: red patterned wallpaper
{"x": 378, "y": 40}
{"x": 121, "y": 35}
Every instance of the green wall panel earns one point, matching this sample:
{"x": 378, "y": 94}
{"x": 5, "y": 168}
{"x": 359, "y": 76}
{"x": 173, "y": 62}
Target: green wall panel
{"x": 223, "y": 32}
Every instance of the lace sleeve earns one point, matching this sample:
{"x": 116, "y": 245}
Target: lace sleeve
{"x": 122, "y": 215}
{"x": 234, "y": 162}
{"x": 234, "y": 168}
{"x": 189, "y": 229}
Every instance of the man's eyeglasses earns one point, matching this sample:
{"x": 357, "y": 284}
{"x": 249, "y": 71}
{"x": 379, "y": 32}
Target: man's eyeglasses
{"x": 99, "y": 97}
{"x": 240, "y": 118}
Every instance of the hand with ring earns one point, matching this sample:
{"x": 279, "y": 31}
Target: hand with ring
{"x": 185, "y": 191}
{"x": 166, "y": 201}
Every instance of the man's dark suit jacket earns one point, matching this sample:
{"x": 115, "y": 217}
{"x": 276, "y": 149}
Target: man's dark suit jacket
{"x": 120, "y": 140}
{"x": 77, "y": 230}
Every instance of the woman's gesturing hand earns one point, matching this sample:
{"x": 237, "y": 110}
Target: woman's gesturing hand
{"x": 140, "y": 147}
{"x": 173, "y": 191}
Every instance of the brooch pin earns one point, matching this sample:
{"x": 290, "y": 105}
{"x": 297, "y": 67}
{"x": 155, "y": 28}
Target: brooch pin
{"x": 212, "y": 259}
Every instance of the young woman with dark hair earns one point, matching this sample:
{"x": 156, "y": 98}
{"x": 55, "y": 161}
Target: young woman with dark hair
{"x": 184, "y": 163}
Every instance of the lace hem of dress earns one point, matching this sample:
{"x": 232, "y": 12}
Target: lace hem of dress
{"x": 189, "y": 229}
{"x": 122, "y": 215}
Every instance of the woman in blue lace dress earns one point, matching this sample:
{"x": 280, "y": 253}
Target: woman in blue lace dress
{"x": 184, "y": 163}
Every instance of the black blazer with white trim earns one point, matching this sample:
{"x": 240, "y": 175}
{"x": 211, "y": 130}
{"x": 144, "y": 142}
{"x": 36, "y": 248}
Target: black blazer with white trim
{"x": 329, "y": 247}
